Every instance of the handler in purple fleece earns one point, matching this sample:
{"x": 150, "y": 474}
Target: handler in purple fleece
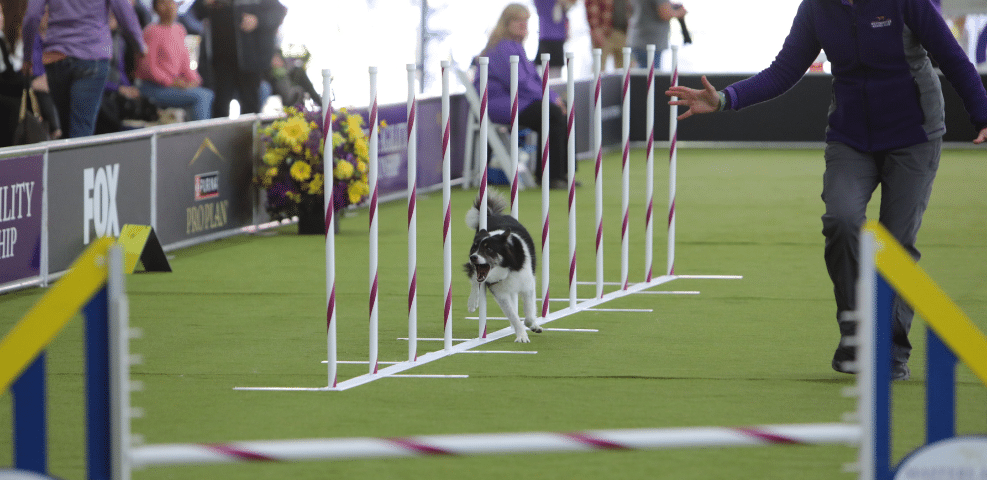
{"x": 76, "y": 53}
{"x": 886, "y": 123}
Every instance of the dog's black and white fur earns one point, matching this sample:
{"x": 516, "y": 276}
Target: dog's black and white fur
{"x": 503, "y": 258}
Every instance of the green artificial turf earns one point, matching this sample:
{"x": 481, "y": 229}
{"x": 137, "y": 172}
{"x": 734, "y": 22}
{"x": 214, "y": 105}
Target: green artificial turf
{"x": 249, "y": 311}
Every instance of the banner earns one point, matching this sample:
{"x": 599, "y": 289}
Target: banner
{"x": 204, "y": 182}
{"x": 93, "y": 191}
{"x": 21, "y": 181}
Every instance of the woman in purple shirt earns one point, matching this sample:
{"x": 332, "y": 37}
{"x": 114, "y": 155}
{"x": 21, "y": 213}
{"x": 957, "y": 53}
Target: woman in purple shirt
{"x": 506, "y": 40}
{"x": 886, "y": 123}
{"x": 76, "y": 52}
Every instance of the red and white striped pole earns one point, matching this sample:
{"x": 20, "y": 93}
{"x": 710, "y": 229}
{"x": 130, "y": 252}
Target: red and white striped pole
{"x": 625, "y": 165}
{"x": 649, "y": 194}
{"x": 412, "y": 217}
{"x": 374, "y": 228}
{"x": 447, "y": 216}
{"x": 495, "y": 444}
{"x": 484, "y": 125}
{"x": 328, "y": 205}
{"x": 673, "y": 134}
{"x": 545, "y": 180}
{"x": 571, "y": 136}
{"x": 514, "y": 134}
{"x": 598, "y": 147}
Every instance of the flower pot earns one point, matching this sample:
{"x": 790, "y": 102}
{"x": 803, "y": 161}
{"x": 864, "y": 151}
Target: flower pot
{"x": 311, "y": 219}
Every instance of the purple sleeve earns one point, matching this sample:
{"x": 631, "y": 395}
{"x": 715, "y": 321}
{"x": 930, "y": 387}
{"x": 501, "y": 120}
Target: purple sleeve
{"x": 928, "y": 25}
{"x": 127, "y": 18}
{"x": 797, "y": 53}
{"x": 32, "y": 22}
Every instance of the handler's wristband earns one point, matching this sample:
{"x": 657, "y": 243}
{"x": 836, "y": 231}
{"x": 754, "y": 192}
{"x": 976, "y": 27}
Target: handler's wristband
{"x": 723, "y": 101}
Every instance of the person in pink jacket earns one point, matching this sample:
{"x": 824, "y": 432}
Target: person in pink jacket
{"x": 165, "y": 73}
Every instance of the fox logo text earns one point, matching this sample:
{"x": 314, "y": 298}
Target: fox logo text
{"x": 99, "y": 201}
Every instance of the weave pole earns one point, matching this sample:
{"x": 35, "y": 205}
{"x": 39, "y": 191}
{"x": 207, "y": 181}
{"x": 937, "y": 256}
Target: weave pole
{"x": 649, "y": 186}
{"x": 514, "y": 134}
{"x": 330, "y": 210}
{"x": 497, "y": 443}
{"x": 673, "y": 134}
{"x": 625, "y": 188}
{"x": 412, "y": 217}
{"x": 484, "y": 125}
{"x": 447, "y": 216}
{"x": 374, "y": 220}
{"x": 545, "y": 180}
{"x": 571, "y": 136}
{"x": 598, "y": 147}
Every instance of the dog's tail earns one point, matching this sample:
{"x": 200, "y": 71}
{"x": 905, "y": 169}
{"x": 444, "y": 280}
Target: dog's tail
{"x": 496, "y": 204}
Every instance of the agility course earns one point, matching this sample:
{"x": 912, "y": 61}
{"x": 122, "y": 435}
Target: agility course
{"x": 599, "y": 320}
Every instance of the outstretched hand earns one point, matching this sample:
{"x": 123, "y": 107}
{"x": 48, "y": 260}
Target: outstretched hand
{"x": 698, "y": 101}
{"x": 981, "y": 138}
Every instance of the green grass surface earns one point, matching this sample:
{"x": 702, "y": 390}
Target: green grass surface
{"x": 249, "y": 311}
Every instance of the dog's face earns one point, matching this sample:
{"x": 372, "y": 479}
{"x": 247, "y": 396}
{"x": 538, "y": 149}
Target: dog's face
{"x": 488, "y": 251}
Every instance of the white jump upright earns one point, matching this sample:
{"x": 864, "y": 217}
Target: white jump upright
{"x": 412, "y": 217}
{"x": 598, "y": 148}
{"x": 673, "y": 134}
{"x": 625, "y": 199}
{"x": 330, "y": 218}
{"x": 374, "y": 221}
{"x": 447, "y": 212}
{"x": 484, "y": 125}
{"x": 571, "y": 166}
{"x": 514, "y": 134}
{"x": 649, "y": 186}
{"x": 546, "y": 58}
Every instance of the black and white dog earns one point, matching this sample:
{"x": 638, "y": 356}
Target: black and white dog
{"x": 503, "y": 258}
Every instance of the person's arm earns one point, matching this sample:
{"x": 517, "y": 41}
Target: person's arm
{"x": 127, "y": 18}
{"x": 29, "y": 30}
{"x": 669, "y": 10}
{"x": 928, "y": 25}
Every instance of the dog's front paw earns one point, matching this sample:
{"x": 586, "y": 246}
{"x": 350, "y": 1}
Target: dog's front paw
{"x": 522, "y": 338}
{"x": 533, "y": 326}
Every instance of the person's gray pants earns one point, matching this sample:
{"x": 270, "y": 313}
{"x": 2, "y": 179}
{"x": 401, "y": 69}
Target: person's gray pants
{"x": 905, "y": 176}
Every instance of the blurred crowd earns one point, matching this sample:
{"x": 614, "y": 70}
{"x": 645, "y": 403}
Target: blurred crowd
{"x": 102, "y": 66}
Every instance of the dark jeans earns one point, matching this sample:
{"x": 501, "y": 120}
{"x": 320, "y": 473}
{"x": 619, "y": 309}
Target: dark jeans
{"x": 76, "y": 87}
{"x": 905, "y": 176}
{"x": 558, "y": 147}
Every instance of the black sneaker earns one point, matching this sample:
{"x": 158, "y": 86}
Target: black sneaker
{"x": 845, "y": 366}
{"x": 900, "y": 372}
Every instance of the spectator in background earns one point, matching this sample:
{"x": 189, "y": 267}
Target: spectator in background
{"x": 121, "y": 99}
{"x": 290, "y": 82}
{"x": 650, "y": 25}
{"x": 76, "y": 54}
{"x": 553, "y": 30}
{"x": 238, "y": 44}
{"x": 507, "y": 39}
{"x": 608, "y": 29}
{"x": 166, "y": 75}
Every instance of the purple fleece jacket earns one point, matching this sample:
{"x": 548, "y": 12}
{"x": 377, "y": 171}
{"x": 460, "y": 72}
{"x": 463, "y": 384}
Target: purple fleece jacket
{"x": 886, "y": 93}
{"x": 78, "y": 28}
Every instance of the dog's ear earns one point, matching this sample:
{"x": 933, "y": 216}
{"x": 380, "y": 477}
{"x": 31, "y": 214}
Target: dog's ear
{"x": 507, "y": 233}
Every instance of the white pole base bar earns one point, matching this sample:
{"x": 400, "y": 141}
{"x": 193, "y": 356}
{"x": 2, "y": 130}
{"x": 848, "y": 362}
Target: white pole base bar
{"x": 588, "y": 305}
{"x": 496, "y": 444}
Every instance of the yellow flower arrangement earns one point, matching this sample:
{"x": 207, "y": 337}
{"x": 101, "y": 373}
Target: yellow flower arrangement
{"x": 293, "y": 173}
